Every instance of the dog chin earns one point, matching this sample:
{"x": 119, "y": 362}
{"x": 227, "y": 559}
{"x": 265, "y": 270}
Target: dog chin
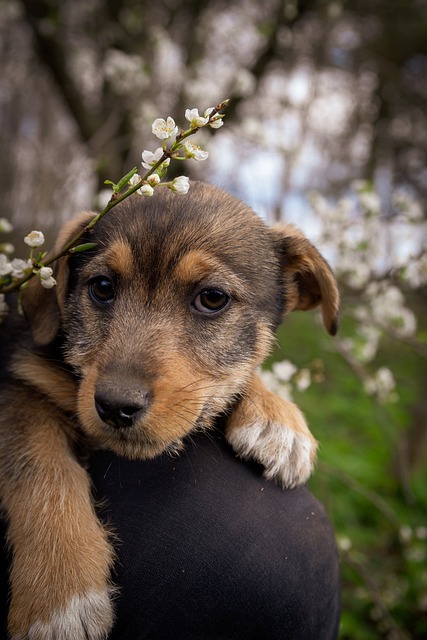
{"x": 132, "y": 442}
{"x": 143, "y": 450}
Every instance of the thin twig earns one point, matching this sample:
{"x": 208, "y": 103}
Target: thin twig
{"x": 115, "y": 199}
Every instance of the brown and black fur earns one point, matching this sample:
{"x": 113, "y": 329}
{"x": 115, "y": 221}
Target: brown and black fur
{"x": 124, "y": 355}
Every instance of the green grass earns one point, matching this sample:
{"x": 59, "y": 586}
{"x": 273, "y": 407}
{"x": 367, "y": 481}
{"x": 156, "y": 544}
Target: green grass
{"x": 360, "y": 481}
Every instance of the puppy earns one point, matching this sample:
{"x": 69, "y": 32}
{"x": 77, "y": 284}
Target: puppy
{"x": 149, "y": 336}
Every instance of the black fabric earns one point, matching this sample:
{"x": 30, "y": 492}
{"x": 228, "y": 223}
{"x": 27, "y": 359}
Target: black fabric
{"x": 209, "y": 550}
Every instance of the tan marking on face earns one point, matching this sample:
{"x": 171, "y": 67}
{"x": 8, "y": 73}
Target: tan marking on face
{"x": 199, "y": 265}
{"x": 182, "y": 398}
{"x": 178, "y": 399}
{"x": 119, "y": 258}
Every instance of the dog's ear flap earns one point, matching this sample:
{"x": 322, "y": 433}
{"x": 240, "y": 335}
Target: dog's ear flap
{"x": 308, "y": 279}
{"x": 42, "y": 306}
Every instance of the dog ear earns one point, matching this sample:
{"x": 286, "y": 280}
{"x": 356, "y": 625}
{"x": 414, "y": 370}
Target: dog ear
{"x": 308, "y": 279}
{"x": 42, "y": 306}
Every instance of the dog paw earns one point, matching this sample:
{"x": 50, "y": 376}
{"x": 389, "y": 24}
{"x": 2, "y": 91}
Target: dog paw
{"x": 86, "y": 617}
{"x": 288, "y": 455}
{"x": 273, "y": 431}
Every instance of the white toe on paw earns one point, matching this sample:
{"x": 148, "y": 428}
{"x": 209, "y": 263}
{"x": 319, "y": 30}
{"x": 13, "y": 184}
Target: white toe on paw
{"x": 287, "y": 455}
{"x": 86, "y": 617}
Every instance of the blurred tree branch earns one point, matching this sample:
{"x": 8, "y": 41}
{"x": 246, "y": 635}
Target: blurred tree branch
{"x": 50, "y": 48}
{"x": 108, "y": 122}
{"x": 50, "y": 44}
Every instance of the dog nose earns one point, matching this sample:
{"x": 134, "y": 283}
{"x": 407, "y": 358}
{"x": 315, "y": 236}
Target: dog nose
{"x": 121, "y": 411}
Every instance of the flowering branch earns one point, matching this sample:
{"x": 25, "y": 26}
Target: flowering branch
{"x": 15, "y": 274}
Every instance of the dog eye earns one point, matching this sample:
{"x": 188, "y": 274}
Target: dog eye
{"x": 211, "y": 301}
{"x": 101, "y": 290}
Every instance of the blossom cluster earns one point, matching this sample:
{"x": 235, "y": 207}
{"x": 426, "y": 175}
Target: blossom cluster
{"x": 14, "y": 273}
{"x": 17, "y": 268}
{"x": 381, "y": 384}
{"x": 175, "y": 145}
{"x": 285, "y": 377}
{"x": 363, "y": 242}
{"x": 350, "y": 233}
{"x": 377, "y": 262}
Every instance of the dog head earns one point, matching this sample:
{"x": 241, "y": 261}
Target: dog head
{"x": 167, "y": 318}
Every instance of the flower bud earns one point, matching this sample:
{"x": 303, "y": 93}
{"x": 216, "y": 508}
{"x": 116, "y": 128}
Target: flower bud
{"x": 180, "y": 185}
{"x": 146, "y": 190}
{"x": 34, "y": 239}
{"x": 153, "y": 180}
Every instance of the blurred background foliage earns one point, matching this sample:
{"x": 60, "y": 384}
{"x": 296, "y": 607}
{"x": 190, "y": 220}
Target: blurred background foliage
{"x": 327, "y": 128}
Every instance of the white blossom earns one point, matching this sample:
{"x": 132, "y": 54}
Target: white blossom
{"x": 124, "y": 71}
{"x": 284, "y": 370}
{"x": 46, "y": 278}
{"x": 405, "y": 533}
{"x": 136, "y": 179}
{"x": 195, "y": 120}
{"x": 191, "y": 150}
{"x": 154, "y": 179}
{"x": 357, "y": 273}
{"x": 370, "y": 201}
{"x": 5, "y": 226}
{"x": 366, "y": 348}
{"x": 149, "y": 159}
{"x": 146, "y": 190}
{"x": 180, "y": 185}
{"x": 45, "y": 273}
{"x": 381, "y": 384}
{"x": 303, "y": 379}
{"x": 344, "y": 543}
{"x": 7, "y": 247}
{"x": 405, "y": 203}
{"x": 216, "y": 122}
{"x": 34, "y": 239}
{"x": 48, "y": 283}
{"x": 5, "y": 266}
{"x": 389, "y": 309}
{"x": 272, "y": 382}
{"x": 416, "y": 272}
{"x": 164, "y": 129}
{"x": 20, "y": 267}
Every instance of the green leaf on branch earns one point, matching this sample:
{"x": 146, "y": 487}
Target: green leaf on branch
{"x": 83, "y": 247}
{"x": 123, "y": 182}
{"x": 113, "y": 184}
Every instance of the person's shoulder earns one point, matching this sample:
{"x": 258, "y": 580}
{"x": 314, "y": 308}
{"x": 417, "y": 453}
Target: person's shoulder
{"x": 243, "y": 556}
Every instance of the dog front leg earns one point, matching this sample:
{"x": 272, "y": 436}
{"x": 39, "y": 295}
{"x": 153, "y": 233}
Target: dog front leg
{"x": 272, "y": 431}
{"x": 60, "y": 553}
